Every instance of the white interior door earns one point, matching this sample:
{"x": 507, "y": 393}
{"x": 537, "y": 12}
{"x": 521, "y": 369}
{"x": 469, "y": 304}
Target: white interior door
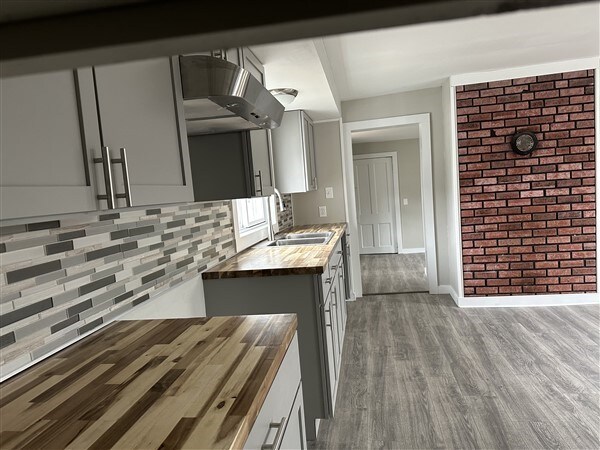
{"x": 375, "y": 205}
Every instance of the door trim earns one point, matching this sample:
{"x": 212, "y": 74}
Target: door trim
{"x": 424, "y": 122}
{"x": 396, "y": 180}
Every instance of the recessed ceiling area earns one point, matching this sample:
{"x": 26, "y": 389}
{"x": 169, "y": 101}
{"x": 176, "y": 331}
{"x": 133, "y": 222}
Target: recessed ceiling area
{"x": 381, "y": 62}
{"x": 297, "y": 65}
{"x": 386, "y": 134}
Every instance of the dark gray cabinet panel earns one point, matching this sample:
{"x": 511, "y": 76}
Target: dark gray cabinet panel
{"x": 221, "y": 166}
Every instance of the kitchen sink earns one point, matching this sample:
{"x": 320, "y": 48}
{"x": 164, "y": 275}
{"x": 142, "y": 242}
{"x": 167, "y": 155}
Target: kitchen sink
{"x": 328, "y": 235}
{"x": 303, "y": 239}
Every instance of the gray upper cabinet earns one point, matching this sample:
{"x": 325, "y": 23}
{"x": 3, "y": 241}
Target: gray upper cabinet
{"x": 47, "y": 144}
{"x": 54, "y": 126}
{"x": 140, "y": 110}
{"x": 294, "y": 153}
{"x": 236, "y": 164}
{"x": 260, "y": 140}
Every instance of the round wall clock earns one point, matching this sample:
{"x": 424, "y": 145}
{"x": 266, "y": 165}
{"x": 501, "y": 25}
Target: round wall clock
{"x": 524, "y": 142}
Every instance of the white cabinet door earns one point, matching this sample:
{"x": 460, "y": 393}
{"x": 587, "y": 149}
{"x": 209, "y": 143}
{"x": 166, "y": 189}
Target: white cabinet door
{"x": 261, "y": 162}
{"x": 140, "y": 110}
{"x": 294, "y": 437}
{"x": 277, "y": 408}
{"x": 294, "y": 153}
{"x": 330, "y": 345}
{"x": 309, "y": 154}
{"x": 49, "y": 136}
{"x": 375, "y": 204}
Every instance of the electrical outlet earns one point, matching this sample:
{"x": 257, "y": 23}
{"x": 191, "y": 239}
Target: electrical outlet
{"x": 328, "y": 192}
{"x": 405, "y": 201}
{"x": 322, "y": 211}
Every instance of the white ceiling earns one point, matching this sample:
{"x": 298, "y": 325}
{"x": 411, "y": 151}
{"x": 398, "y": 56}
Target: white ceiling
{"x": 328, "y": 70}
{"x": 381, "y": 62}
{"x": 386, "y": 134}
{"x": 297, "y": 65}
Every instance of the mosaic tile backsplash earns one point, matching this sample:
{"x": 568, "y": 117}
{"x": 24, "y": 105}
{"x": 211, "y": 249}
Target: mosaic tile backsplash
{"x": 285, "y": 218}
{"x": 63, "y": 278}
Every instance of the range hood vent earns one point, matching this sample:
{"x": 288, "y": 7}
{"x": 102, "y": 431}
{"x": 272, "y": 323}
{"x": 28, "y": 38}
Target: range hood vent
{"x": 219, "y": 96}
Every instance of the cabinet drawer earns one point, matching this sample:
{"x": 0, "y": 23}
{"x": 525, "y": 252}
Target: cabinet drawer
{"x": 279, "y": 401}
{"x": 336, "y": 258}
{"x": 326, "y": 281}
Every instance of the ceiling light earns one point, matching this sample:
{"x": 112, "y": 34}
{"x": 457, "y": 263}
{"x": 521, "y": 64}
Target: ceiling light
{"x": 285, "y": 96}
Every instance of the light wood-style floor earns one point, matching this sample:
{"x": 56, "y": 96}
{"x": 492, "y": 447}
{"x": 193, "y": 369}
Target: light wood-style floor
{"x": 420, "y": 373}
{"x": 393, "y": 273}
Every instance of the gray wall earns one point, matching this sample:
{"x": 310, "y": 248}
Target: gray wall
{"x": 409, "y": 179}
{"x": 407, "y": 103}
{"x": 329, "y": 174}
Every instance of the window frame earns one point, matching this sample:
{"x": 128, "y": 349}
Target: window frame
{"x": 248, "y": 236}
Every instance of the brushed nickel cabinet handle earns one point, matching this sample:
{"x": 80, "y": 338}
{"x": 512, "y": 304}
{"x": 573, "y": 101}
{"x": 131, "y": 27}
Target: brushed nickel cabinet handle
{"x": 126, "y": 183}
{"x": 278, "y": 436}
{"x": 108, "y": 181}
{"x": 259, "y": 176}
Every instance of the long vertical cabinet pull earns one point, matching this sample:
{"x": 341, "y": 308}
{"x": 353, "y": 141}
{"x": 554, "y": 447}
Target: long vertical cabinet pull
{"x": 259, "y": 176}
{"x": 276, "y": 444}
{"x": 125, "y": 169}
{"x": 108, "y": 181}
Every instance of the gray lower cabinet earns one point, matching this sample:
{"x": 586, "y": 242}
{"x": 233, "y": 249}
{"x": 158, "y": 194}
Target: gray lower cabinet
{"x": 140, "y": 109}
{"x": 47, "y": 144}
{"x": 280, "y": 421}
{"x": 320, "y": 308}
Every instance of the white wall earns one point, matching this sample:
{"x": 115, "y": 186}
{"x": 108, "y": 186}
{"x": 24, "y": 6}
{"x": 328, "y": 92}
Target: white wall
{"x": 409, "y": 179}
{"x": 182, "y": 301}
{"x": 451, "y": 161}
{"x": 329, "y": 174}
{"x": 416, "y": 102}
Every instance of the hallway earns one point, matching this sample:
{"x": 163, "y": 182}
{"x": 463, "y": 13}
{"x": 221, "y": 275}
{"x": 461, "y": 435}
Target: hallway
{"x": 393, "y": 273}
{"x": 420, "y": 373}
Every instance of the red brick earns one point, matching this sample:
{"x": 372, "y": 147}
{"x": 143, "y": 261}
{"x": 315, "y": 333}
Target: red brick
{"x": 538, "y": 213}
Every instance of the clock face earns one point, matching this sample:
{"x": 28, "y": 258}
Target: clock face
{"x": 524, "y": 142}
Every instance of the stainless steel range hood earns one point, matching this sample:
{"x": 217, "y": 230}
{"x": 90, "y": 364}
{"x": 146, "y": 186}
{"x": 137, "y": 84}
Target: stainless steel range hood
{"x": 219, "y": 96}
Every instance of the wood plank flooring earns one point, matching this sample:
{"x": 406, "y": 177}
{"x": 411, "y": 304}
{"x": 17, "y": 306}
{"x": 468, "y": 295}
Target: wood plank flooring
{"x": 387, "y": 274}
{"x": 420, "y": 373}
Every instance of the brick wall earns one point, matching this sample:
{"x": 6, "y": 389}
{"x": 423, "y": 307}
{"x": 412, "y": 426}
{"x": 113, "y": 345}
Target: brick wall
{"x": 528, "y": 222}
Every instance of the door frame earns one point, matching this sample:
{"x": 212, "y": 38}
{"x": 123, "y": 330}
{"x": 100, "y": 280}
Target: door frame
{"x": 424, "y": 122}
{"x": 396, "y": 181}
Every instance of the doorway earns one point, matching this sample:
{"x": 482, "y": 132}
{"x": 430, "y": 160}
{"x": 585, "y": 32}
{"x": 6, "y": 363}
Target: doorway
{"x": 389, "y": 210}
{"x": 393, "y": 249}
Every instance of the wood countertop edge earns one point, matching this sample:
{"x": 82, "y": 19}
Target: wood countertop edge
{"x": 239, "y": 434}
{"x": 215, "y": 273}
{"x": 244, "y": 431}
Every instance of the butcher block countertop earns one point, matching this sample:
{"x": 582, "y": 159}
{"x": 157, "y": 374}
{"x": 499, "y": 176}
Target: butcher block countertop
{"x": 178, "y": 383}
{"x": 261, "y": 260}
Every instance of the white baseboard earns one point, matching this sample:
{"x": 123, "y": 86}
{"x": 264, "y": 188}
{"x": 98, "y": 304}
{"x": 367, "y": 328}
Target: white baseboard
{"x": 447, "y": 289}
{"x": 403, "y": 251}
{"x": 511, "y": 301}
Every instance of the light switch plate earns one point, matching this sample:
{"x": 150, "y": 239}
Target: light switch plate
{"x": 405, "y": 201}
{"x": 322, "y": 211}
{"x": 328, "y": 192}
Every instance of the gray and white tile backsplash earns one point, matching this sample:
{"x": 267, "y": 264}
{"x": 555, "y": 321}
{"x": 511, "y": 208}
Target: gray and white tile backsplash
{"x": 62, "y": 278}
{"x": 285, "y": 218}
